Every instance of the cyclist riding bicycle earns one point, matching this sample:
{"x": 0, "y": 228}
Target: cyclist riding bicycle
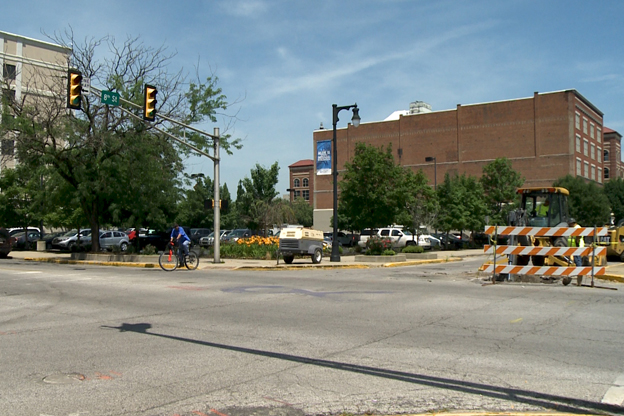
{"x": 179, "y": 235}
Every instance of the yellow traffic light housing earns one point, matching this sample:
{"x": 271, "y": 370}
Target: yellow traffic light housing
{"x": 149, "y": 106}
{"x": 74, "y": 89}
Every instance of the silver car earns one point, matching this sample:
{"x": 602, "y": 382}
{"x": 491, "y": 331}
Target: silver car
{"x": 69, "y": 240}
{"x": 110, "y": 239}
{"x": 209, "y": 239}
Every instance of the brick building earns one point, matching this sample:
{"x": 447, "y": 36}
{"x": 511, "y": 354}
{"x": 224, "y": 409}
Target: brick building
{"x": 31, "y": 70}
{"x": 612, "y": 159}
{"x": 546, "y": 137}
{"x": 301, "y": 180}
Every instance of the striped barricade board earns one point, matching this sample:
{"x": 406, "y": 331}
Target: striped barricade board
{"x": 544, "y": 270}
{"x": 546, "y": 251}
{"x": 547, "y": 231}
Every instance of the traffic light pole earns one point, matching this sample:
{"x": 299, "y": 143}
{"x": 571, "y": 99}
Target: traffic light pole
{"x": 217, "y": 197}
{"x": 216, "y": 159}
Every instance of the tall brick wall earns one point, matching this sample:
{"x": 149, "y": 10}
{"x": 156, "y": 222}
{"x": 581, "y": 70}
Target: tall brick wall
{"x": 538, "y": 134}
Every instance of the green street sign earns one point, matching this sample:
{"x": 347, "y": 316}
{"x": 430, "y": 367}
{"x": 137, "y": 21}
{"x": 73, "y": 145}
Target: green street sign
{"x": 110, "y": 98}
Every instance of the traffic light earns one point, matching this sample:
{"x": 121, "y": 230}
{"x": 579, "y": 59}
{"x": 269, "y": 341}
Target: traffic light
{"x": 209, "y": 204}
{"x": 149, "y": 107}
{"x": 74, "y": 89}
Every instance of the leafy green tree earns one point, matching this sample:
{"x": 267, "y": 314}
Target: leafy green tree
{"x": 422, "y": 204}
{"x": 16, "y": 204}
{"x": 500, "y": 183}
{"x": 370, "y": 190}
{"x": 255, "y": 195}
{"x": 474, "y": 203}
{"x": 587, "y": 202}
{"x": 614, "y": 190}
{"x": 191, "y": 210}
{"x": 119, "y": 168}
{"x": 303, "y": 212}
{"x": 462, "y": 206}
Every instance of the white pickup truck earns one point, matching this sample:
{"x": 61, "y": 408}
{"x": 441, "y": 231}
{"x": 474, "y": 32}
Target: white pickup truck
{"x": 400, "y": 237}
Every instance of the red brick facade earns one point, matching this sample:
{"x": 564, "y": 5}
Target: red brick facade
{"x": 546, "y": 137}
{"x": 612, "y": 155}
{"x": 302, "y": 180}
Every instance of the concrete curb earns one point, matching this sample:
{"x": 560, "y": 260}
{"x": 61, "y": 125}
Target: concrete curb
{"x": 211, "y": 266}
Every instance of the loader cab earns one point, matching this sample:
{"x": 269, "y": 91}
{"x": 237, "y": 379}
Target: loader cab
{"x": 545, "y": 207}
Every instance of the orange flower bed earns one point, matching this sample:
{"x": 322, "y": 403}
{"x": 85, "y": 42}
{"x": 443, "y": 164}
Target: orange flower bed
{"x": 259, "y": 240}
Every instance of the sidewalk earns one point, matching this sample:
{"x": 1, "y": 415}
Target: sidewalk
{"x": 206, "y": 263}
{"x": 615, "y": 270}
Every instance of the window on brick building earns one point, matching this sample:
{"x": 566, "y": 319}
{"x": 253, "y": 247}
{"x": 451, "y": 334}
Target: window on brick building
{"x": 606, "y": 173}
{"x": 599, "y": 175}
{"x": 296, "y": 183}
{"x": 606, "y": 155}
{"x": 297, "y": 194}
{"x": 586, "y": 174}
{"x": 586, "y": 147}
{"x": 579, "y": 166}
{"x": 593, "y": 152}
{"x": 585, "y": 125}
{"x": 578, "y": 143}
{"x": 591, "y": 130}
{"x": 306, "y": 195}
{"x": 599, "y": 135}
{"x": 577, "y": 121}
{"x": 598, "y": 153}
{"x": 306, "y": 183}
{"x": 593, "y": 173}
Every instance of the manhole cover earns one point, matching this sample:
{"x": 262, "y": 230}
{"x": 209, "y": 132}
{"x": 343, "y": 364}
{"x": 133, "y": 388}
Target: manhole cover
{"x": 64, "y": 378}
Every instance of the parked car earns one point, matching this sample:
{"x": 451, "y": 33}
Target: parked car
{"x": 25, "y": 241}
{"x": 110, "y": 239}
{"x": 344, "y": 239}
{"x": 197, "y": 233}
{"x": 69, "y": 240}
{"x": 16, "y": 230}
{"x": 209, "y": 239}
{"x": 49, "y": 237}
{"x": 236, "y": 235}
{"x": 157, "y": 238}
{"x": 402, "y": 238}
{"x": 434, "y": 242}
{"x": 365, "y": 235}
{"x": 449, "y": 241}
{"x": 5, "y": 243}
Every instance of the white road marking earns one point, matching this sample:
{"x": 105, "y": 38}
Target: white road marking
{"x": 615, "y": 394}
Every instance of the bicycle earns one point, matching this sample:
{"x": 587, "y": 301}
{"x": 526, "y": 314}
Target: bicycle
{"x": 170, "y": 260}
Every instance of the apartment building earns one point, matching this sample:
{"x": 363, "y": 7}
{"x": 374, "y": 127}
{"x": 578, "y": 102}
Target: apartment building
{"x": 31, "y": 69}
{"x": 546, "y": 137}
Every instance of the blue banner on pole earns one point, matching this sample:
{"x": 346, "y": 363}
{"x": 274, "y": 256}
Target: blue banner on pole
{"x": 323, "y": 157}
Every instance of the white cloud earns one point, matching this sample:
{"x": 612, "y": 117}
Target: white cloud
{"x": 245, "y": 8}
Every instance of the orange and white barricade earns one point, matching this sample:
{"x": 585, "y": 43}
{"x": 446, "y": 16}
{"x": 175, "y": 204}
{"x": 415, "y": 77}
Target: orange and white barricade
{"x": 554, "y": 271}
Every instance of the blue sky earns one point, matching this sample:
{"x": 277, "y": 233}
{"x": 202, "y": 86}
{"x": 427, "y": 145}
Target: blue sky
{"x": 286, "y": 62}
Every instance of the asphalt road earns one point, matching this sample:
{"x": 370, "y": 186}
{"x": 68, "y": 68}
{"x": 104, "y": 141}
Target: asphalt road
{"x": 94, "y": 340}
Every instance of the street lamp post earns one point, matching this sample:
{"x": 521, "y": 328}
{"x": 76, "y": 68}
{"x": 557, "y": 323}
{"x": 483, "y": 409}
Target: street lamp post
{"x": 435, "y": 171}
{"x": 335, "y": 253}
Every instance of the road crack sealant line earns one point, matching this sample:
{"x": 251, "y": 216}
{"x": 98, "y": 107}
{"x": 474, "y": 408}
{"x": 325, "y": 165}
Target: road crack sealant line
{"x": 93, "y": 263}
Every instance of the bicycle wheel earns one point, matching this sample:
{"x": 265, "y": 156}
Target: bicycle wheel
{"x": 191, "y": 260}
{"x": 168, "y": 261}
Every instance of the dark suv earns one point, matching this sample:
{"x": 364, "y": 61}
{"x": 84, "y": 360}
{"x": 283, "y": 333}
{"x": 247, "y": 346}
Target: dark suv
{"x": 5, "y": 243}
{"x": 197, "y": 233}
